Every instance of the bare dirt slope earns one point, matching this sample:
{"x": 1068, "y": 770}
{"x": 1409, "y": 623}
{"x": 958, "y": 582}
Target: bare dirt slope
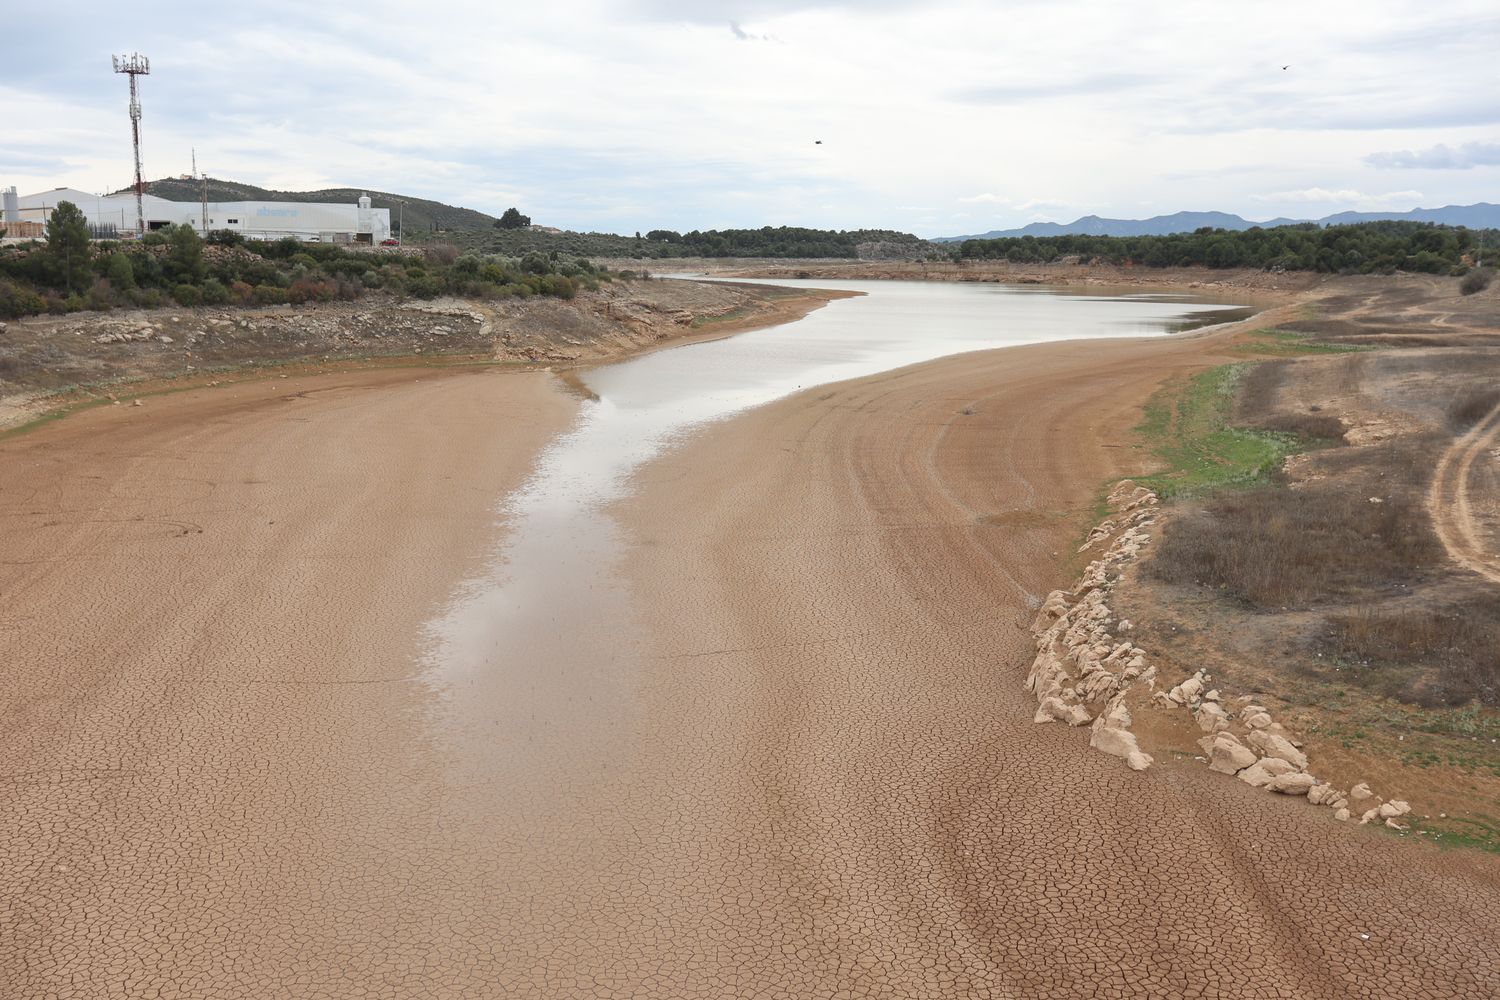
{"x": 220, "y": 783}
{"x": 47, "y": 361}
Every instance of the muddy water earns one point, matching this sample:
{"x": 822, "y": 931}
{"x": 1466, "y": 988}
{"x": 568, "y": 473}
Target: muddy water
{"x": 535, "y": 660}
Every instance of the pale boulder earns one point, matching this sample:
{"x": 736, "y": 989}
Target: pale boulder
{"x": 1263, "y": 771}
{"x": 1211, "y": 717}
{"x": 1188, "y": 690}
{"x": 1115, "y": 742}
{"x": 1138, "y": 761}
{"x": 1295, "y": 783}
{"x": 1228, "y": 756}
{"x": 1271, "y": 745}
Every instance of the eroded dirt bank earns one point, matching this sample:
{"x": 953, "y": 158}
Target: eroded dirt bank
{"x": 47, "y": 362}
{"x": 824, "y": 781}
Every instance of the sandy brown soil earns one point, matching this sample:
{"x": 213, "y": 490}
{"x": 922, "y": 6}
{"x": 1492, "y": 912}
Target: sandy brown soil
{"x": 220, "y": 781}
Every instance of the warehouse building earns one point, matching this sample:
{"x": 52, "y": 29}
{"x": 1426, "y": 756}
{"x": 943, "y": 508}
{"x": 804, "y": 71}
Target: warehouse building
{"x": 326, "y": 222}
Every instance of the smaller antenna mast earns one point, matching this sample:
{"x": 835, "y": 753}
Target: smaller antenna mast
{"x": 204, "y": 178}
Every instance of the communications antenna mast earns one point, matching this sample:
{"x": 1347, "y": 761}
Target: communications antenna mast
{"x": 135, "y": 65}
{"x": 204, "y": 178}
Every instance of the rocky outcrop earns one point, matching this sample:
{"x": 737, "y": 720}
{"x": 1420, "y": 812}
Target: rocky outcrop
{"x": 1086, "y": 672}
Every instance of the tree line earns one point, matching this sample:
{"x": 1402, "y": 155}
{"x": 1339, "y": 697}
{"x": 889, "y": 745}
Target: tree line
{"x": 768, "y": 241}
{"x": 1361, "y": 248}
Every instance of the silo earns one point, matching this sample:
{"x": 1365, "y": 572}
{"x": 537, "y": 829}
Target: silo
{"x": 12, "y": 206}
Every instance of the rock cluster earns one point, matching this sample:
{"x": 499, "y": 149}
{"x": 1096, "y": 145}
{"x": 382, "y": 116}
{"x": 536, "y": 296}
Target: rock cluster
{"x": 1085, "y": 670}
{"x": 1080, "y": 663}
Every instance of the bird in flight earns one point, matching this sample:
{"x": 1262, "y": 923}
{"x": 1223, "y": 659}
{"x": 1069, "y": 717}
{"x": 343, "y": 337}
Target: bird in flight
{"x": 817, "y": 142}
{"x": 1287, "y": 66}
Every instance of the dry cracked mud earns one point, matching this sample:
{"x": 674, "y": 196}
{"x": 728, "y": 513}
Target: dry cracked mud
{"x": 223, "y": 779}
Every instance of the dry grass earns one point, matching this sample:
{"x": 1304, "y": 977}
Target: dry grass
{"x": 1257, "y": 406}
{"x": 1429, "y": 655}
{"x": 1275, "y": 548}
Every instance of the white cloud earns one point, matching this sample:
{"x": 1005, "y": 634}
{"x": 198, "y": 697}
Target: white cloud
{"x": 1359, "y": 199}
{"x": 638, "y": 114}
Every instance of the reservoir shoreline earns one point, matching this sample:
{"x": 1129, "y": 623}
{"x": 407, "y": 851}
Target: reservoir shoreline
{"x": 836, "y": 586}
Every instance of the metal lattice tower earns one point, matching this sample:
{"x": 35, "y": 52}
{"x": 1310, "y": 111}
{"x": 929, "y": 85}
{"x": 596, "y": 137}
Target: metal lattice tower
{"x": 136, "y": 65}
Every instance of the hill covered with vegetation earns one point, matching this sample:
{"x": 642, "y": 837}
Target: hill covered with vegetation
{"x": 1371, "y": 247}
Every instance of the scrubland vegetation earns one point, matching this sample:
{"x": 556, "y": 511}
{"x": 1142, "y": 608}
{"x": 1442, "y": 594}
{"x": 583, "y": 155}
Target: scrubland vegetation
{"x": 1344, "y": 559}
{"x": 67, "y": 273}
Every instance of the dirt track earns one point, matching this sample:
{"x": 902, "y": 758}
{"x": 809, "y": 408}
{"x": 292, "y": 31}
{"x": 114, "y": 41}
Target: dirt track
{"x": 222, "y": 783}
{"x": 1453, "y": 515}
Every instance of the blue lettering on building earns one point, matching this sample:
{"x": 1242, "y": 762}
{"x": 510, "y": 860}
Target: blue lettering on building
{"x": 278, "y": 212}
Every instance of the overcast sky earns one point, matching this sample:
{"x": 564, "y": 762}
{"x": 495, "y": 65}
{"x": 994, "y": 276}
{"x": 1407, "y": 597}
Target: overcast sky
{"x": 935, "y": 118}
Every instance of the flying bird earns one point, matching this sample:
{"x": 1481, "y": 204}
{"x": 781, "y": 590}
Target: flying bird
{"x": 1286, "y": 67}
{"x": 817, "y": 142}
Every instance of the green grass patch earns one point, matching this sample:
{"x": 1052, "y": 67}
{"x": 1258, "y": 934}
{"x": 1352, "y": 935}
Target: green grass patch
{"x": 1290, "y": 343}
{"x": 1187, "y": 427}
{"x": 1478, "y": 833}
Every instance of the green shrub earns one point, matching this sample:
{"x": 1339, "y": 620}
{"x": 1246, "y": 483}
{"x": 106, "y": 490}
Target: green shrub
{"x": 269, "y": 295}
{"x": 214, "y": 293}
{"x": 120, "y": 272}
{"x": 187, "y": 295}
{"x": 425, "y": 286}
{"x": 16, "y": 301}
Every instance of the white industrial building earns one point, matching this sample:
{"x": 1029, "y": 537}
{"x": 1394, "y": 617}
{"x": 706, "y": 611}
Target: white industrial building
{"x": 258, "y": 220}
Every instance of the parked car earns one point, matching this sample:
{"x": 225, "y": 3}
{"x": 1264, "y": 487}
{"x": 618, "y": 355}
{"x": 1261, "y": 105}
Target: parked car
{"x": 390, "y": 243}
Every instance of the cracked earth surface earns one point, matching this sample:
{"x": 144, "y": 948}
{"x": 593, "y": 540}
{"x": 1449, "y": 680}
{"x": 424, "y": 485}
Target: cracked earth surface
{"x": 818, "y": 778}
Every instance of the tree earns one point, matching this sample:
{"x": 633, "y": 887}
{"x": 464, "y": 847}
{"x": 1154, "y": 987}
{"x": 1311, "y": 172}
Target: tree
{"x": 68, "y": 247}
{"x": 185, "y": 258}
{"x": 513, "y": 219}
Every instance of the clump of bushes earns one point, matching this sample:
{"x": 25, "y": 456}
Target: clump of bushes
{"x": 1477, "y": 280}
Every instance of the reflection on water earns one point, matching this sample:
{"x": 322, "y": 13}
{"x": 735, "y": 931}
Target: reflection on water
{"x": 534, "y": 659}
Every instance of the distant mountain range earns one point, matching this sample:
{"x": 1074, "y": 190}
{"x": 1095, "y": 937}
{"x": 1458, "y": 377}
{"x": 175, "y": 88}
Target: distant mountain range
{"x": 1480, "y": 216}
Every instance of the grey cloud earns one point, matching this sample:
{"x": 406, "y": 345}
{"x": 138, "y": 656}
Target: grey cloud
{"x": 1439, "y": 157}
{"x": 746, "y": 36}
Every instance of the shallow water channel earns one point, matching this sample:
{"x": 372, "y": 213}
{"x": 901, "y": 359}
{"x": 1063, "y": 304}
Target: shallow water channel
{"x": 533, "y": 658}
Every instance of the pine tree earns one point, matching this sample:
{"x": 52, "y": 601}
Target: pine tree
{"x": 68, "y": 248}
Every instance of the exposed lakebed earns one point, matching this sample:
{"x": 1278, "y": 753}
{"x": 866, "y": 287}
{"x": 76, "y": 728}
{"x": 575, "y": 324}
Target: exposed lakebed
{"x": 533, "y": 659}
